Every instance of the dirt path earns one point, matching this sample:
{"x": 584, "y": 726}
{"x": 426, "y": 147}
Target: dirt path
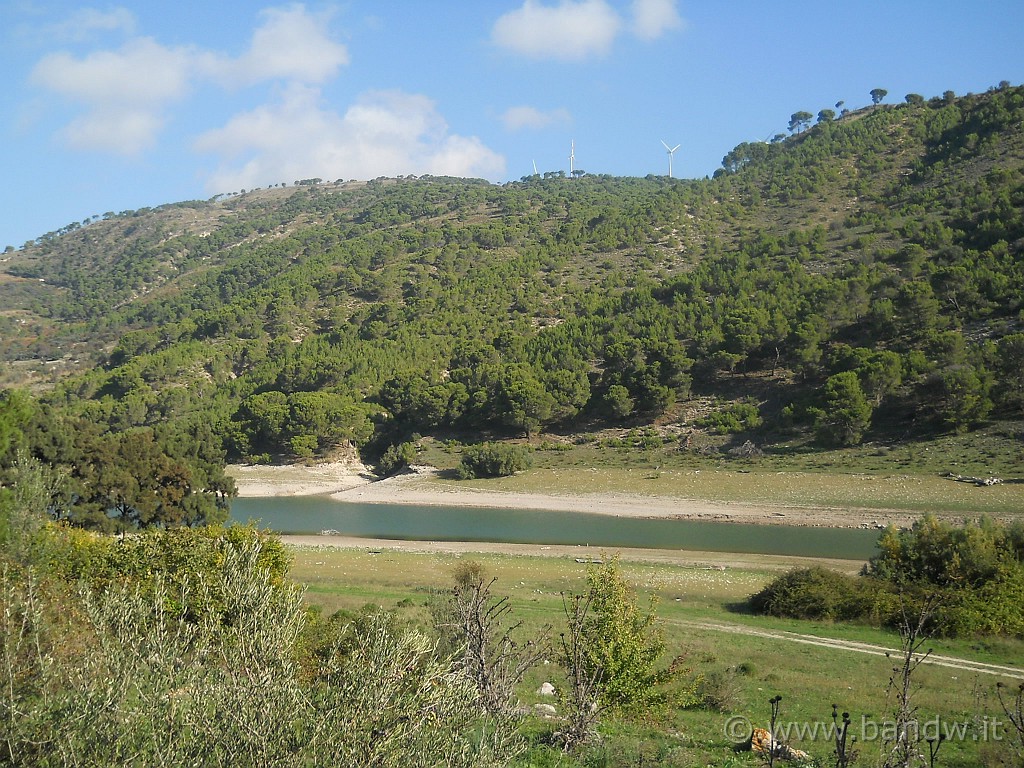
{"x": 851, "y": 645}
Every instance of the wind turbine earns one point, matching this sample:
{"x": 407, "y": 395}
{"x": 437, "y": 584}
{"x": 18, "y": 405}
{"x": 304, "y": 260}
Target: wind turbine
{"x": 572, "y": 156}
{"x": 671, "y": 151}
{"x": 535, "y": 168}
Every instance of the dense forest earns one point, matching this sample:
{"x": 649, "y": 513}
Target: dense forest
{"x": 865, "y": 273}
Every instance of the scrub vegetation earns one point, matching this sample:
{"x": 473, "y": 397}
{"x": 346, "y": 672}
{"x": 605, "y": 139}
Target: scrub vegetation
{"x": 224, "y": 647}
{"x": 842, "y": 303}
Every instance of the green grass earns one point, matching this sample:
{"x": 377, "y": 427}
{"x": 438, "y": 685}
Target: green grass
{"x": 995, "y": 449}
{"x": 770, "y": 487}
{"x": 688, "y": 600}
{"x": 906, "y": 477}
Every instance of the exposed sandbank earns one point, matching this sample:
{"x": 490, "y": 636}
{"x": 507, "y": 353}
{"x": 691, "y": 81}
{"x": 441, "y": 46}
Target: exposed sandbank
{"x": 353, "y": 482}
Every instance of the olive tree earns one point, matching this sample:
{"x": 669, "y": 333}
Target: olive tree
{"x": 122, "y": 677}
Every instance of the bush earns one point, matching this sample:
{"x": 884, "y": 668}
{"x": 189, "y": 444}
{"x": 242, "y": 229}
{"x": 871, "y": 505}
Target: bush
{"x": 179, "y": 557}
{"x": 738, "y": 417}
{"x": 396, "y": 458}
{"x": 846, "y": 412}
{"x": 719, "y": 691}
{"x": 813, "y": 593}
{"x": 148, "y": 688}
{"x": 492, "y": 460}
{"x": 624, "y": 644}
{"x": 971, "y": 575}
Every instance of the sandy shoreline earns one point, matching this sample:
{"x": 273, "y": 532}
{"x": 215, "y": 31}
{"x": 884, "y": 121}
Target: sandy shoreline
{"x": 263, "y": 481}
{"x": 353, "y": 482}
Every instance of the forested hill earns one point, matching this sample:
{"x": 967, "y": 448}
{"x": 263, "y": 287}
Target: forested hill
{"x": 866, "y": 272}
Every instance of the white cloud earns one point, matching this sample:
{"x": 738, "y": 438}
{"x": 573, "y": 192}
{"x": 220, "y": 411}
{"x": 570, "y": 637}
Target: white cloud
{"x": 653, "y": 18}
{"x": 571, "y": 30}
{"x": 579, "y": 29}
{"x": 140, "y": 72}
{"x": 83, "y": 23}
{"x": 125, "y": 92}
{"x": 117, "y": 129}
{"x": 127, "y": 95}
{"x": 385, "y": 133}
{"x": 526, "y": 117}
{"x": 291, "y": 44}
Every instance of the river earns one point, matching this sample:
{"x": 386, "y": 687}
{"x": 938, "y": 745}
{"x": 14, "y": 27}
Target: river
{"x": 313, "y": 514}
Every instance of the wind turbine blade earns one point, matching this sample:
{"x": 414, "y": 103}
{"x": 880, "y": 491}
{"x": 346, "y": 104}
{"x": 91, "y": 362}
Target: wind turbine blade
{"x": 665, "y": 145}
{"x": 677, "y": 146}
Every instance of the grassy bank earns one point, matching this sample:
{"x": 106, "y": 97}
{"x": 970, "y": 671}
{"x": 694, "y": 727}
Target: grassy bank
{"x": 912, "y": 493}
{"x": 701, "y": 609}
{"x": 908, "y": 477}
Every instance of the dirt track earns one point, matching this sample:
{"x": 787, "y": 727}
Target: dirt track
{"x": 852, "y": 646}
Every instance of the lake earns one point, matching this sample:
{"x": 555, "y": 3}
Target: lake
{"x": 313, "y": 514}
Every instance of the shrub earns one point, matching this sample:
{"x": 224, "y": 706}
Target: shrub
{"x": 492, "y": 460}
{"x": 719, "y": 690}
{"x": 971, "y": 575}
{"x": 846, "y": 412}
{"x": 148, "y": 688}
{"x": 625, "y": 643}
{"x": 738, "y": 417}
{"x": 813, "y": 593}
{"x": 180, "y": 557}
{"x": 396, "y": 458}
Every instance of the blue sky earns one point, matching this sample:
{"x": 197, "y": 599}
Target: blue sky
{"x": 114, "y": 106}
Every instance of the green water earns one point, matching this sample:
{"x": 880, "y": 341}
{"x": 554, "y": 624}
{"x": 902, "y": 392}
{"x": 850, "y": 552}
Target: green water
{"x": 312, "y": 514}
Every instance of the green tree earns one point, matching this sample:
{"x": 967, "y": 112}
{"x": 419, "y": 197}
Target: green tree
{"x": 520, "y": 399}
{"x": 624, "y": 643}
{"x": 264, "y": 416}
{"x": 126, "y": 481}
{"x": 618, "y": 402}
{"x": 826, "y": 116}
{"x": 962, "y": 397}
{"x": 881, "y": 374}
{"x": 799, "y": 121}
{"x": 396, "y": 458}
{"x": 845, "y": 413}
{"x": 878, "y": 94}
{"x": 1010, "y": 362}
{"x": 919, "y": 310}
{"x": 15, "y": 412}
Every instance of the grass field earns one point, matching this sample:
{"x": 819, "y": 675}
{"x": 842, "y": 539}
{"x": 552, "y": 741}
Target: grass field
{"x": 914, "y": 493}
{"x": 702, "y": 616}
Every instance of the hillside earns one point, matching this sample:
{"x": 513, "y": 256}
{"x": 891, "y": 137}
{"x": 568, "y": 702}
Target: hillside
{"x": 860, "y": 280}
